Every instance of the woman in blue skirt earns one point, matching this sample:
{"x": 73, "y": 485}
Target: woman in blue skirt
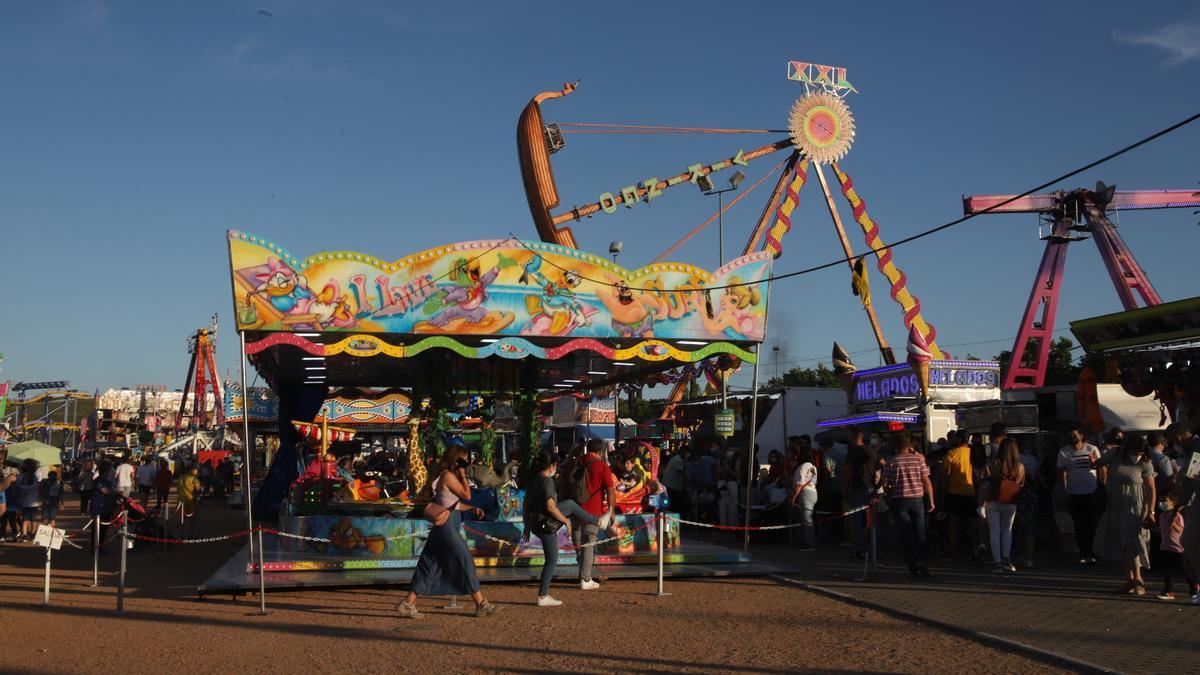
{"x": 446, "y": 566}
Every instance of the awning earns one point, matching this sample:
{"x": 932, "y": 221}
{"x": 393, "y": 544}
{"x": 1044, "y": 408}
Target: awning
{"x": 1166, "y": 324}
{"x": 44, "y": 455}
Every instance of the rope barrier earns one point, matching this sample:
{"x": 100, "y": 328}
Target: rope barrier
{"x": 765, "y": 528}
{"x": 411, "y": 535}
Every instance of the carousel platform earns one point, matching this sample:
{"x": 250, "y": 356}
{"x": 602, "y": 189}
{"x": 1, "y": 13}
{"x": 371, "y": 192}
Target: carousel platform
{"x": 286, "y": 570}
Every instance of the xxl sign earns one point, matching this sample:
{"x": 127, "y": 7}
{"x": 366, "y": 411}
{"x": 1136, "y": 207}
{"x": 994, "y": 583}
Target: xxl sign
{"x": 901, "y": 381}
{"x": 829, "y": 78}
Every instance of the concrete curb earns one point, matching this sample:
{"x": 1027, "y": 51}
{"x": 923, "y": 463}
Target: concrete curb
{"x": 979, "y": 636}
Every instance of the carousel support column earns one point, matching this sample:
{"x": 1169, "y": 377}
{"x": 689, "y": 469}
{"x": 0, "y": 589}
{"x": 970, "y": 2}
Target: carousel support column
{"x": 296, "y": 402}
{"x": 246, "y": 450}
{"x": 751, "y": 455}
{"x": 885, "y": 351}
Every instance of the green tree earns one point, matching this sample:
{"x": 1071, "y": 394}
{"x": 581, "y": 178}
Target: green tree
{"x": 821, "y": 376}
{"x": 1061, "y": 365}
{"x": 641, "y": 410}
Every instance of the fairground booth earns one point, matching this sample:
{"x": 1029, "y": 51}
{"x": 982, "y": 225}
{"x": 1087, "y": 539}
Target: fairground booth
{"x": 482, "y": 321}
{"x": 1151, "y": 351}
{"x": 901, "y": 397}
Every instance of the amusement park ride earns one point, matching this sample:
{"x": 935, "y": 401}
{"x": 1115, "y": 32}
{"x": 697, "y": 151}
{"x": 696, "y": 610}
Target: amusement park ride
{"x": 821, "y": 131}
{"x": 202, "y": 379}
{"x": 1073, "y": 216}
{"x": 60, "y": 409}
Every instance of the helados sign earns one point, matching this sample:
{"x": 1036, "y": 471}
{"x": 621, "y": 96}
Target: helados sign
{"x": 900, "y": 381}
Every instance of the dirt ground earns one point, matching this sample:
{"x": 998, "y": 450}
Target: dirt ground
{"x": 709, "y": 625}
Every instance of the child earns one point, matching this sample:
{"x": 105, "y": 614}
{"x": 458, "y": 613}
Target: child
{"x": 30, "y": 500}
{"x": 1170, "y": 526}
{"x": 51, "y": 490}
{"x": 628, "y": 477}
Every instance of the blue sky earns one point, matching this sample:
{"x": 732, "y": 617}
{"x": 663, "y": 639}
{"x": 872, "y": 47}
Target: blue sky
{"x": 135, "y": 135}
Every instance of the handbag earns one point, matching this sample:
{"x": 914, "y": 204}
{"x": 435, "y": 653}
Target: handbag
{"x": 544, "y": 524}
{"x": 437, "y": 514}
{"x": 1007, "y": 491}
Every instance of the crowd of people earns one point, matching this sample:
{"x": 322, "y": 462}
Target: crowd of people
{"x": 1129, "y": 499}
{"x": 992, "y": 498}
{"x": 32, "y": 494}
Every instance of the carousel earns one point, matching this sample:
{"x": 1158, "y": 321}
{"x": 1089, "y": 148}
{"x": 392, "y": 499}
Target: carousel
{"x": 501, "y": 320}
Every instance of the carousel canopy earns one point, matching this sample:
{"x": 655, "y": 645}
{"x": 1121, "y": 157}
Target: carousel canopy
{"x": 487, "y": 315}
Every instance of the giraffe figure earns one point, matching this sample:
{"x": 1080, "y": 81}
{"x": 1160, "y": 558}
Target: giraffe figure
{"x": 418, "y": 475}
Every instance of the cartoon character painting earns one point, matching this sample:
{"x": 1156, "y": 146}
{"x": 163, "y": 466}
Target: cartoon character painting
{"x": 459, "y": 306}
{"x": 633, "y": 313}
{"x": 736, "y": 315}
{"x": 290, "y": 294}
{"x": 556, "y": 310}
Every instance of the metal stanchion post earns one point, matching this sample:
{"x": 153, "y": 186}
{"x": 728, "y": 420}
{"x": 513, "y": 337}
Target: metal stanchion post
{"x": 124, "y": 554}
{"x": 95, "y": 551}
{"x": 874, "y": 550}
{"x": 46, "y": 590}
{"x": 262, "y": 575}
{"x": 453, "y": 604}
{"x": 662, "y": 551}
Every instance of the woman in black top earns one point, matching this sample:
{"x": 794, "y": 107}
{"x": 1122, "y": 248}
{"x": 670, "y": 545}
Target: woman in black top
{"x": 545, "y": 515}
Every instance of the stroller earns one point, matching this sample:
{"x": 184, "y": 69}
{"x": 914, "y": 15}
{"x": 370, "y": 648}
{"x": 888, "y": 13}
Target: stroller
{"x": 142, "y": 521}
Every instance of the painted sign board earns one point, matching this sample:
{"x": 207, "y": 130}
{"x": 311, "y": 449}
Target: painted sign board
{"x": 498, "y": 287}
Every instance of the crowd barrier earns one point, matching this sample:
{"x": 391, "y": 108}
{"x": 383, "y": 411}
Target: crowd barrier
{"x": 128, "y": 537}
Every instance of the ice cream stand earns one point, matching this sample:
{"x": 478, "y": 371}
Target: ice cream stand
{"x": 921, "y": 395}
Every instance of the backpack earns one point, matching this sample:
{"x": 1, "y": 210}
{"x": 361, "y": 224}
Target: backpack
{"x": 579, "y": 483}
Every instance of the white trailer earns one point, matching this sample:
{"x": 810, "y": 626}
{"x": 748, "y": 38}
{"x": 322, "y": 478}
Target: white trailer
{"x": 795, "y": 413}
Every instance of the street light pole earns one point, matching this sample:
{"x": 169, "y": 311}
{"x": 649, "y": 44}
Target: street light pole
{"x": 721, "y": 227}
{"x": 707, "y": 187}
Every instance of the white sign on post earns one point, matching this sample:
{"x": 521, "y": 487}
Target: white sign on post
{"x": 1193, "y": 467}
{"x": 49, "y": 537}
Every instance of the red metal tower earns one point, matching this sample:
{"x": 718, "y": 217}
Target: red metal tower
{"x": 1074, "y": 215}
{"x": 202, "y": 379}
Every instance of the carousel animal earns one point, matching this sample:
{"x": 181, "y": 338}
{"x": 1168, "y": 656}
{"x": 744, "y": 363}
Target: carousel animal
{"x": 485, "y": 477}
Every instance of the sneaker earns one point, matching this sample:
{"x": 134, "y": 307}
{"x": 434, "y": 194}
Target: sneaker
{"x": 588, "y": 585}
{"x": 604, "y": 520}
{"x": 487, "y": 609}
{"x": 407, "y": 611}
{"x": 547, "y": 601}
{"x": 1165, "y": 596}
{"x": 1196, "y": 599}
{"x": 999, "y": 568}
{"x": 1009, "y": 566}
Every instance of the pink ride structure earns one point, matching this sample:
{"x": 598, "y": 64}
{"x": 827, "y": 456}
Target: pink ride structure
{"x": 1079, "y": 211}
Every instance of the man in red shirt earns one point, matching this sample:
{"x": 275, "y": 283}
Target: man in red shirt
{"x": 601, "y": 488}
